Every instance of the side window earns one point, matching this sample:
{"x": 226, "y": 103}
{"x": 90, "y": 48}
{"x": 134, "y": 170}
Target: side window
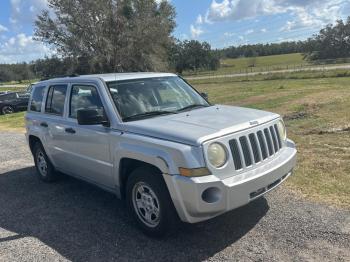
{"x": 55, "y": 100}
{"x": 37, "y": 98}
{"x": 84, "y": 97}
{"x": 9, "y": 97}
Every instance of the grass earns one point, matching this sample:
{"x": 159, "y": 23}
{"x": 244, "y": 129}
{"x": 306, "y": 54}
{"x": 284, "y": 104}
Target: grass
{"x": 276, "y": 61}
{"x": 278, "y": 76}
{"x": 317, "y": 116}
{"x": 13, "y": 89}
{"x": 23, "y": 82}
{"x": 262, "y": 64}
{"x": 13, "y": 122}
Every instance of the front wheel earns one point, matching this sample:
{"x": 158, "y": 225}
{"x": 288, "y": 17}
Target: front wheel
{"x": 149, "y": 202}
{"x": 7, "y": 110}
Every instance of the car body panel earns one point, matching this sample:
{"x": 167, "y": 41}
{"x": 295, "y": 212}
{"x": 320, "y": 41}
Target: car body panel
{"x": 169, "y": 142}
{"x": 235, "y": 190}
{"x": 201, "y": 124}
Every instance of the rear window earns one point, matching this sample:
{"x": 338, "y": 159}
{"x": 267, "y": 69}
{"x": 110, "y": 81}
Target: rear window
{"x": 55, "y": 100}
{"x": 37, "y": 99}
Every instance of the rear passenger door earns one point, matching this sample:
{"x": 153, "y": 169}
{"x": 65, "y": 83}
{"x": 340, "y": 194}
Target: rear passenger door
{"x": 53, "y": 123}
{"x": 87, "y": 147}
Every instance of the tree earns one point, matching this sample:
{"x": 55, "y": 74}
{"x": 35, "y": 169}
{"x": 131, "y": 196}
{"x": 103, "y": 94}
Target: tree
{"x": 330, "y": 43}
{"x": 109, "y": 35}
{"x": 192, "y": 55}
{"x": 175, "y": 55}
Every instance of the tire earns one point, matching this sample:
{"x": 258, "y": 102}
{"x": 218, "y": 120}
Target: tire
{"x": 45, "y": 170}
{"x": 146, "y": 192}
{"x": 5, "y": 110}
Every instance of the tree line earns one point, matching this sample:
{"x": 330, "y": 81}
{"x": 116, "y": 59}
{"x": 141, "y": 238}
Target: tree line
{"x": 262, "y": 49}
{"x": 136, "y": 35}
{"x": 16, "y": 72}
{"x": 331, "y": 42}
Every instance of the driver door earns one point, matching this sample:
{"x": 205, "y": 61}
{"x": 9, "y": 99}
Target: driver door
{"x": 87, "y": 147}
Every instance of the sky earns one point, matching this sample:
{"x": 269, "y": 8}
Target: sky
{"x": 222, "y": 23}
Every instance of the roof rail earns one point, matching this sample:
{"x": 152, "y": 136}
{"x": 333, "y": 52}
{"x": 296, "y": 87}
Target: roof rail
{"x": 73, "y": 75}
{"x": 59, "y": 76}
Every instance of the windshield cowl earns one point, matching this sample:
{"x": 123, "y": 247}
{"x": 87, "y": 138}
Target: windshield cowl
{"x": 147, "y": 115}
{"x": 160, "y": 113}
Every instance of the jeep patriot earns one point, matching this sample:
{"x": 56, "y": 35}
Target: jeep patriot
{"x": 156, "y": 142}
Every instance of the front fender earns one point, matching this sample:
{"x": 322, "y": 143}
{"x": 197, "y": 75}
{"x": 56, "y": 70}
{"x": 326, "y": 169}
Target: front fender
{"x": 149, "y": 155}
{"x": 167, "y": 156}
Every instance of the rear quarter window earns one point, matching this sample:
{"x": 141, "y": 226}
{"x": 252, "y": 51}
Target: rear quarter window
{"x": 55, "y": 100}
{"x": 37, "y": 99}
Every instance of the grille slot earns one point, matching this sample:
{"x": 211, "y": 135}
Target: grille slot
{"x": 274, "y": 138}
{"x": 262, "y": 145}
{"x": 255, "y": 147}
{"x": 246, "y": 152}
{"x": 235, "y": 154}
{"x": 268, "y": 141}
{"x": 278, "y": 136}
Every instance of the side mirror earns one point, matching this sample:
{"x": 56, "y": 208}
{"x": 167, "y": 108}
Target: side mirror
{"x": 87, "y": 117}
{"x": 205, "y": 96}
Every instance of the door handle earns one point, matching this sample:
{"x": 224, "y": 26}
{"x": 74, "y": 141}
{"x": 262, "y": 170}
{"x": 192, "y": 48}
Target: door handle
{"x": 70, "y": 130}
{"x": 44, "y": 124}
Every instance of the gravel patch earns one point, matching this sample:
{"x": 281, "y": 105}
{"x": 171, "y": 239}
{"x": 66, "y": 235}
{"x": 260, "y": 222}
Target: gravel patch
{"x": 14, "y": 151}
{"x": 73, "y": 221}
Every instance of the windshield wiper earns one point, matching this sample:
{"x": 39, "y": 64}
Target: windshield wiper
{"x": 191, "y": 107}
{"x": 147, "y": 114}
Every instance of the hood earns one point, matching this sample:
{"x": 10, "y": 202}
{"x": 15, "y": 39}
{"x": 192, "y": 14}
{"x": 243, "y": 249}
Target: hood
{"x": 199, "y": 125}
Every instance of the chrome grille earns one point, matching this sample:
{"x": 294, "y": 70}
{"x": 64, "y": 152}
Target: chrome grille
{"x": 255, "y": 147}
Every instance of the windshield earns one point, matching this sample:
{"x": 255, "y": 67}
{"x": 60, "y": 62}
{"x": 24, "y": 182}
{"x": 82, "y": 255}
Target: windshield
{"x": 143, "y": 98}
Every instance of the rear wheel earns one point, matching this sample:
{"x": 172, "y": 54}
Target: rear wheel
{"x": 45, "y": 169}
{"x": 149, "y": 202}
{"x": 7, "y": 110}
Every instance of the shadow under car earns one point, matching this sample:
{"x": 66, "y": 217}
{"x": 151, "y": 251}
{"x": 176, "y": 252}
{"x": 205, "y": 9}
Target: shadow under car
{"x": 82, "y": 222}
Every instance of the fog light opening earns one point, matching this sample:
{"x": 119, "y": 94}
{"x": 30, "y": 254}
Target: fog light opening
{"x": 211, "y": 195}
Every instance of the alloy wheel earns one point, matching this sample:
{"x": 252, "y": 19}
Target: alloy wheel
{"x": 146, "y": 204}
{"x": 42, "y": 164}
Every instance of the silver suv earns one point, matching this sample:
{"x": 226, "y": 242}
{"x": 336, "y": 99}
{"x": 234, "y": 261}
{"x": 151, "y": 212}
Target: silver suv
{"x": 156, "y": 142}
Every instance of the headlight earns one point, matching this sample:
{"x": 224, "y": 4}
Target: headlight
{"x": 217, "y": 155}
{"x": 282, "y": 130}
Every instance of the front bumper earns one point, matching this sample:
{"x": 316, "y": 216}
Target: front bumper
{"x": 200, "y": 198}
